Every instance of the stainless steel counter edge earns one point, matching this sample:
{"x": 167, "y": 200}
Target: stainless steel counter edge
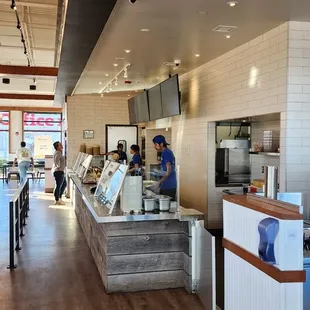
{"x": 101, "y": 214}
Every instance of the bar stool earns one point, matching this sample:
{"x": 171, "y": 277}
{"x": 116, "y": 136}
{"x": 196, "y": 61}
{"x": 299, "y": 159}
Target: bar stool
{"x": 40, "y": 173}
{"x": 32, "y": 173}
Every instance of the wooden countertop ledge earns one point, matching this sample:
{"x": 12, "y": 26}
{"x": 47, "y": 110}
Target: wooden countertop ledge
{"x": 275, "y": 208}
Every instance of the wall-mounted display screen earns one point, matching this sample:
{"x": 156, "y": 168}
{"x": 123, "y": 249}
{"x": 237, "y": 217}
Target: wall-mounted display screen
{"x": 133, "y": 111}
{"x": 142, "y": 107}
{"x": 170, "y": 97}
{"x": 155, "y": 107}
{"x": 161, "y": 101}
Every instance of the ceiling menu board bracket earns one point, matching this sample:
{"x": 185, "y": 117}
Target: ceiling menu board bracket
{"x": 161, "y": 101}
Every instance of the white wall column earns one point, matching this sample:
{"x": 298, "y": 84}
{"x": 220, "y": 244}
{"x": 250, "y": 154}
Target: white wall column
{"x": 297, "y": 116}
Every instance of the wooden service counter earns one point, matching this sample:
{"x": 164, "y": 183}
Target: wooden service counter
{"x": 253, "y": 281}
{"x": 136, "y": 252}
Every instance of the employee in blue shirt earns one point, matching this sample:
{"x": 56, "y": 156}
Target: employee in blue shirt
{"x": 120, "y": 151}
{"x": 168, "y": 182}
{"x": 135, "y": 166}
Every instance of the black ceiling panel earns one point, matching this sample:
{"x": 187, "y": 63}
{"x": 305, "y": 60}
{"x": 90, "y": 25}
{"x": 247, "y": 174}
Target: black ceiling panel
{"x": 85, "y": 21}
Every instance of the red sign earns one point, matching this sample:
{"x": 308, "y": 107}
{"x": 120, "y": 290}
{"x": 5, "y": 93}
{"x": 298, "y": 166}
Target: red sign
{"x": 40, "y": 120}
{"x": 32, "y": 119}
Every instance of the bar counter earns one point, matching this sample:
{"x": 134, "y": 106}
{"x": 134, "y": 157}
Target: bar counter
{"x": 136, "y": 252}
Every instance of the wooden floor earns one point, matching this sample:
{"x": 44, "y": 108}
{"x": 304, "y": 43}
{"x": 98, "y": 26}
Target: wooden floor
{"x": 55, "y": 267}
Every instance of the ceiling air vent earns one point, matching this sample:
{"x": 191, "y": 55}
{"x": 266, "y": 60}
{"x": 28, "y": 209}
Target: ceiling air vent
{"x": 224, "y": 28}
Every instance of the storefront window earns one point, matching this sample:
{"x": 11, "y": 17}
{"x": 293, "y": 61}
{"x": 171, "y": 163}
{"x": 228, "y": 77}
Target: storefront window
{"x": 46, "y": 125}
{"x": 4, "y": 137}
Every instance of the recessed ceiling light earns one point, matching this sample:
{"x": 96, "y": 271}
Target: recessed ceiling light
{"x": 232, "y": 3}
{"x": 120, "y": 58}
{"x": 202, "y": 13}
{"x": 228, "y": 36}
{"x": 106, "y": 74}
{"x": 145, "y": 30}
{"x": 100, "y": 83}
{"x": 127, "y": 51}
{"x": 115, "y": 65}
{"x": 128, "y": 95}
{"x": 197, "y": 55}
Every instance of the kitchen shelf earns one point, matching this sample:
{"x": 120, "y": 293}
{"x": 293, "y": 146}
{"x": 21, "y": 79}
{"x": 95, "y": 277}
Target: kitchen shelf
{"x": 274, "y": 154}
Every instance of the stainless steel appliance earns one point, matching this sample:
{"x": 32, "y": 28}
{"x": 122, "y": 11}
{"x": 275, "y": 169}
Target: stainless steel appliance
{"x": 149, "y": 204}
{"x": 235, "y": 144}
{"x": 233, "y": 162}
{"x": 164, "y": 202}
{"x": 271, "y": 182}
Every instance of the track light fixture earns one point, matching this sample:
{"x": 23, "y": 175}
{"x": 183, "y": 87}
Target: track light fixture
{"x": 18, "y": 26}
{"x": 114, "y": 81}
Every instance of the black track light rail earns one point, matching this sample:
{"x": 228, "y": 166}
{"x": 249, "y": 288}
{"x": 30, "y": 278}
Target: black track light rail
{"x": 19, "y": 27}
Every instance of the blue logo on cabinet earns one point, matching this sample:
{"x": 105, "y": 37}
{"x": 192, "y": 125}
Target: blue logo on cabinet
{"x": 268, "y": 230}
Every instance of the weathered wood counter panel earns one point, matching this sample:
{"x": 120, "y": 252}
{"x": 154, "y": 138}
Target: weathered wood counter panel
{"x": 135, "y": 256}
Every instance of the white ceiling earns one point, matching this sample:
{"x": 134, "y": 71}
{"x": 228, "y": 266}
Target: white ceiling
{"x": 38, "y": 20}
{"x": 177, "y": 32}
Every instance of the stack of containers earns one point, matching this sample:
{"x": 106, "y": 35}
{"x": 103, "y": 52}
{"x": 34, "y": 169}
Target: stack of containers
{"x": 271, "y": 140}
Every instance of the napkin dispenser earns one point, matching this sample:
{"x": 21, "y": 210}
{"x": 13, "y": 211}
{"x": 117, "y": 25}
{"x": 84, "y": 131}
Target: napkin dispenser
{"x": 268, "y": 230}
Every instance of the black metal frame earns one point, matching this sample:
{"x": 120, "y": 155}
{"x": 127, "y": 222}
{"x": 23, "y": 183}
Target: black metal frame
{"x": 19, "y": 208}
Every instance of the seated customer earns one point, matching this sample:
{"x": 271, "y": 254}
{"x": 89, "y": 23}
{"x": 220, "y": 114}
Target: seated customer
{"x": 135, "y": 166}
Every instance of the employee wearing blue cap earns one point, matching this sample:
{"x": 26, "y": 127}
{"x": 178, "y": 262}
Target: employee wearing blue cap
{"x": 168, "y": 182}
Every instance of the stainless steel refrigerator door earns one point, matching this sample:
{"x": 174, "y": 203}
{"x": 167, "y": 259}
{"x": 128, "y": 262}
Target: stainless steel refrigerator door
{"x": 204, "y": 268}
{"x": 239, "y": 161}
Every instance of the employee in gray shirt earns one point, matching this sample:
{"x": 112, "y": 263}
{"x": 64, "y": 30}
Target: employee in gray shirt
{"x": 59, "y": 173}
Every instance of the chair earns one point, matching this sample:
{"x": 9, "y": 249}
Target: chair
{"x": 40, "y": 173}
{"x": 32, "y": 172}
{"x": 11, "y": 172}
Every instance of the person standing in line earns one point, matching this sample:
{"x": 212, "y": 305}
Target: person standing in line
{"x": 59, "y": 173}
{"x": 168, "y": 183}
{"x": 24, "y": 159}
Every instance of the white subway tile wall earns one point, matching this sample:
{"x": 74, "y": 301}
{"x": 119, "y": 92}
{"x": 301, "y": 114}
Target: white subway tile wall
{"x": 297, "y": 118}
{"x": 249, "y": 80}
{"x": 89, "y": 112}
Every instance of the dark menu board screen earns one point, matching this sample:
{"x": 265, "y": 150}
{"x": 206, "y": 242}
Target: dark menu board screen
{"x": 156, "y": 111}
{"x": 133, "y": 112}
{"x": 170, "y": 98}
{"x": 142, "y": 107}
